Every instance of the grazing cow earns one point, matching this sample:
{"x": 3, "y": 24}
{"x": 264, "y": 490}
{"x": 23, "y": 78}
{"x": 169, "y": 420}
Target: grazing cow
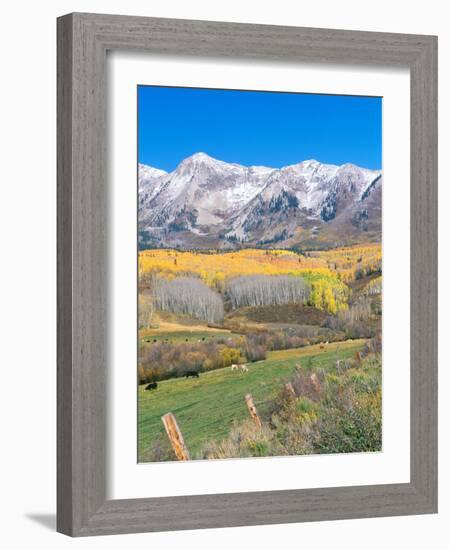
{"x": 192, "y": 374}
{"x": 151, "y": 386}
{"x": 241, "y": 368}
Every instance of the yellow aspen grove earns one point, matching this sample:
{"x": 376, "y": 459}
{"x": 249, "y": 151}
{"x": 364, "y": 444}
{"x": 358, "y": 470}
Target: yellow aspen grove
{"x": 217, "y": 270}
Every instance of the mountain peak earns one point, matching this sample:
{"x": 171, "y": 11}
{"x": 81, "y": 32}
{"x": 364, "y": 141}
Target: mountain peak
{"x": 200, "y": 156}
{"x": 354, "y": 167}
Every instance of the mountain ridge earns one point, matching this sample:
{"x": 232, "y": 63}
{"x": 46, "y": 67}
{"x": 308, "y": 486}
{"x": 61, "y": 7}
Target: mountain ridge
{"x": 209, "y": 203}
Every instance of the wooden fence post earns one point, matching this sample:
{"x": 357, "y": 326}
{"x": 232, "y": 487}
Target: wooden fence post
{"x": 315, "y": 382}
{"x": 175, "y": 436}
{"x": 252, "y": 409}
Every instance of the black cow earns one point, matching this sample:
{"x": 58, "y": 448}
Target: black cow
{"x": 151, "y": 386}
{"x": 192, "y": 374}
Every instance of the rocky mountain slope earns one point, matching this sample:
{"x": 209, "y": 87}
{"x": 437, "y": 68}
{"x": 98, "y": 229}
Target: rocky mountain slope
{"x": 208, "y": 203}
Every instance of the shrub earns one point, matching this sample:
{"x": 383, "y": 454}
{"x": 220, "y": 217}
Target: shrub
{"x": 351, "y": 415}
{"x": 159, "y": 451}
{"x": 193, "y": 360}
{"x": 355, "y": 425}
{"x": 306, "y": 387}
{"x": 229, "y": 356}
{"x": 254, "y": 352}
{"x": 374, "y": 345}
{"x": 245, "y": 440}
{"x": 361, "y": 320}
{"x": 339, "y": 413}
{"x": 163, "y": 360}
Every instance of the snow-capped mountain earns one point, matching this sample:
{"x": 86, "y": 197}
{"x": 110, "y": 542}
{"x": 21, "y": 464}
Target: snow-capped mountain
{"x": 207, "y": 203}
{"x": 148, "y": 182}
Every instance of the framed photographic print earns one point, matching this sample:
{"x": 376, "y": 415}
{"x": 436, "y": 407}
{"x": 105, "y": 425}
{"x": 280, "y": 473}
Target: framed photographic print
{"x": 247, "y": 280}
{"x": 258, "y": 281}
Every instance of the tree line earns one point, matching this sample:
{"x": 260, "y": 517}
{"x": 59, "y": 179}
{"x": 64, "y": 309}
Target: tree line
{"x": 263, "y": 290}
{"x": 190, "y": 296}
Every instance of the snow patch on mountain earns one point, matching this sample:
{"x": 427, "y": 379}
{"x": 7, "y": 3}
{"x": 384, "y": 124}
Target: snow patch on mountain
{"x": 218, "y": 201}
{"x": 149, "y": 182}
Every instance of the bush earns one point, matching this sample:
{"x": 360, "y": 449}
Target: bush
{"x": 164, "y": 360}
{"x": 355, "y": 425}
{"x": 374, "y": 345}
{"x": 194, "y": 360}
{"x": 361, "y": 320}
{"x": 229, "y": 356}
{"x": 338, "y": 413}
{"x": 159, "y": 451}
{"x": 351, "y": 414}
{"x": 305, "y": 387}
{"x": 254, "y": 352}
{"x": 244, "y": 440}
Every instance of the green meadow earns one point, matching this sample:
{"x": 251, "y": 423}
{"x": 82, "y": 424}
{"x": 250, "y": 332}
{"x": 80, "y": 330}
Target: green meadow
{"x": 206, "y": 408}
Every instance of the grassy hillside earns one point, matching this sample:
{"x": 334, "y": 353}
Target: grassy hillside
{"x": 206, "y": 408}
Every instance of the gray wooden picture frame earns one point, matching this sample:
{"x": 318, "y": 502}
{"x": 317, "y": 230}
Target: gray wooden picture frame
{"x": 83, "y": 40}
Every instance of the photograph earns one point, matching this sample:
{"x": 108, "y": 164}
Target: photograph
{"x": 259, "y": 260}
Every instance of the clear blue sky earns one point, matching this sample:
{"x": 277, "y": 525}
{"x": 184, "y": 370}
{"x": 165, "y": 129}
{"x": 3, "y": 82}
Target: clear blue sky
{"x": 263, "y": 128}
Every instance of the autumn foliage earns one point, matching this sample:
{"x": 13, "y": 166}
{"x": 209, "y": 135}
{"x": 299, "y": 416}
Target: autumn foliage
{"x": 352, "y": 262}
{"x": 324, "y": 272}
